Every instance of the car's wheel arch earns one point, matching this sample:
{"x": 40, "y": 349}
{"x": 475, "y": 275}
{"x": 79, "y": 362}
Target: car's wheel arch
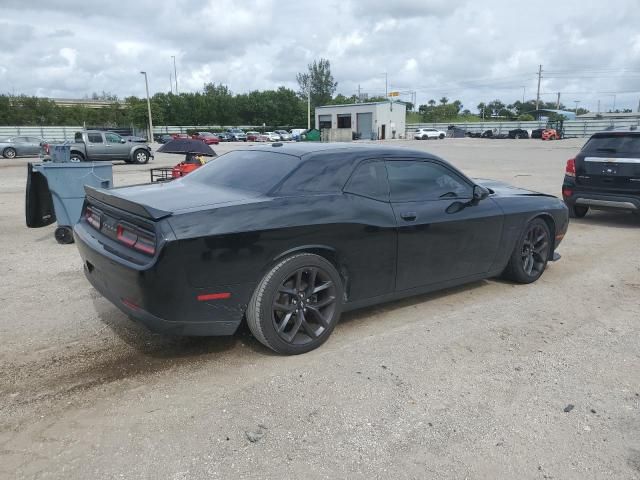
{"x": 325, "y": 251}
{"x": 551, "y": 224}
{"x": 77, "y": 152}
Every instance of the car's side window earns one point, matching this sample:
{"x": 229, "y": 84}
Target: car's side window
{"x": 369, "y": 179}
{"x": 94, "y": 137}
{"x": 112, "y": 138}
{"x": 416, "y": 180}
{"x": 20, "y": 139}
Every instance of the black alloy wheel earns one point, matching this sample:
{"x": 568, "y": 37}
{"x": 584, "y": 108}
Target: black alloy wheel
{"x": 531, "y": 253}
{"x": 304, "y": 305}
{"x": 297, "y": 304}
{"x": 535, "y": 250}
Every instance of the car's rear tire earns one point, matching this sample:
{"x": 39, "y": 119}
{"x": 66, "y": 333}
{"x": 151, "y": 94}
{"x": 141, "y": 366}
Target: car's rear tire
{"x": 64, "y": 235}
{"x": 531, "y": 253}
{"x": 576, "y": 211}
{"x": 9, "y": 152}
{"x": 141, "y": 157}
{"x": 297, "y": 304}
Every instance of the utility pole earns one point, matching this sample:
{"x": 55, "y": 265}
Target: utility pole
{"x": 175, "y": 72}
{"x": 599, "y": 107}
{"x": 359, "y": 97}
{"x": 524, "y": 89}
{"x": 614, "y": 102}
{"x": 638, "y": 106}
{"x": 558, "y": 102}
{"x": 538, "y": 94}
{"x": 309, "y": 106}
{"x": 170, "y": 83}
{"x": 576, "y": 102}
{"x": 146, "y": 84}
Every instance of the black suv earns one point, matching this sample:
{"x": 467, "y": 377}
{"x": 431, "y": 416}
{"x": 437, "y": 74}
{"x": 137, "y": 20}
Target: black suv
{"x": 604, "y": 175}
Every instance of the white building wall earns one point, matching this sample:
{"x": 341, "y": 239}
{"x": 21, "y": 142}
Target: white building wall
{"x": 392, "y": 115}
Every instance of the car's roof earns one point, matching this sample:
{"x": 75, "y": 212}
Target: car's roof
{"x": 300, "y": 149}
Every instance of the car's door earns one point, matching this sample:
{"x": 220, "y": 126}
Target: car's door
{"x": 116, "y": 150}
{"x": 21, "y": 145}
{"x": 95, "y": 146}
{"x": 443, "y": 234}
{"x": 372, "y": 258}
{"x": 33, "y": 145}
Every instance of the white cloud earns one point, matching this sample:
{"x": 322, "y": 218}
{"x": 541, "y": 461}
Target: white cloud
{"x": 473, "y": 51}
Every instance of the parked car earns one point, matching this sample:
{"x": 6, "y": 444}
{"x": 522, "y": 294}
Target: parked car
{"x": 164, "y": 138}
{"x": 179, "y": 135}
{"x": 20, "y": 146}
{"x": 96, "y": 145}
{"x": 296, "y": 133}
{"x": 284, "y": 135}
{"x": 257, "y": 137}
{"x": 284, "y": 236}
{"x": 605, "y": 174}
{"x": 428, "y": 134}
{"x": 537, "y": 133}
{"x": 207, "y": 137}
{"x": 236, "y": 135}
{"x": 518, "y": 133}
{"x": 134, "y": 139}
{"x": 272, "y": 136}
{"x": 224, "y": 137}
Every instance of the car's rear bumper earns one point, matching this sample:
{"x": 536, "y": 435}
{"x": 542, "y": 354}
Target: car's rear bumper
{"x": 160, "y": 300}
{"x": 603, "y": 201}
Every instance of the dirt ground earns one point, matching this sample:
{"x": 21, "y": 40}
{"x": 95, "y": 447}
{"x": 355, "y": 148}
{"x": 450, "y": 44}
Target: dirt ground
{"x": 491, "y": 380}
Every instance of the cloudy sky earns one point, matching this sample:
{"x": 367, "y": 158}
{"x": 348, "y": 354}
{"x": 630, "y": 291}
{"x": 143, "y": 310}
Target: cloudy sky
{"x": 468, "y": 50}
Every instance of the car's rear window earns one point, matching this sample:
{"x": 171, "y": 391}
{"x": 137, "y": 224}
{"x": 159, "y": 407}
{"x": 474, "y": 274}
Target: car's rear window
{"x": 614, "y": 143}
{"x": 256, "y": 171}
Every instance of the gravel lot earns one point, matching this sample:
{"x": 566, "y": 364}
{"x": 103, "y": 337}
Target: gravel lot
{"x": 491, "y": 380}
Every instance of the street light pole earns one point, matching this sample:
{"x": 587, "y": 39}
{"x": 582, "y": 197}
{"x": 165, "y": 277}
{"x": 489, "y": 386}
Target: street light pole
{"x": 175, "y": 72}
{"x": 576, "y": 102}
{"x": 146, "y": 84}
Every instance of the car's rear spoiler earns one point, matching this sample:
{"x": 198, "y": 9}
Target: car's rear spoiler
{"x": 108, "y": 198}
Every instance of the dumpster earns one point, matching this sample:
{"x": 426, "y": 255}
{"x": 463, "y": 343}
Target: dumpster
{"x": 55, "y": 191}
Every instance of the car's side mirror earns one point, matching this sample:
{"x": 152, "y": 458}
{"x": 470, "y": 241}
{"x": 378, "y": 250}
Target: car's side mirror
{"x": 480, "y": 193}
{"x": 122, "y": 140}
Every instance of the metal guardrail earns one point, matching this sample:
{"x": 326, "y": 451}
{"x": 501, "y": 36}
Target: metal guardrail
{"x": 48, "y": 133}
{"x": 572, "y": 128}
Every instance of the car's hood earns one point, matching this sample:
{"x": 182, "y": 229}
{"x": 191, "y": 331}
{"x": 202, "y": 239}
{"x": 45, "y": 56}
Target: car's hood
{"x": 177, "y": 195}
{"x": 503, "y": 189}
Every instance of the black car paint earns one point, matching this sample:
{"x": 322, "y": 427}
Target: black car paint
{"x": 216, "y": 240}
{"x": 608, "y": 181}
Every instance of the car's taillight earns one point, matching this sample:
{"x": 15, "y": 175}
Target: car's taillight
{"x": 570, "y": 171}
{"x": 136, "y": 239}
{"x": 45, "y": 147}
{"x": 93, "y": 217}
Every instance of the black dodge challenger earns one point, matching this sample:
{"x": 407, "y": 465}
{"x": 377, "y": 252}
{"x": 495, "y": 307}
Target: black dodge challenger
{"x": 289, "y": 236}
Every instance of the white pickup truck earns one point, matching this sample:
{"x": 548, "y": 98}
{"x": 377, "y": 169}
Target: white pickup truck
{"x": 96, "y": 145}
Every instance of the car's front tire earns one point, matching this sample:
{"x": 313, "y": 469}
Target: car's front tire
{"x": 531, "y": 253}
{"x": 141, "y": 157}
{"x": 441, "y": 137}
{"x": 76, "y": 157}
{"x": 297, "y": 304}
{"x": 576, "y": 211}
{"x": 9, "y": 153}
{"x": 425, "y": 137}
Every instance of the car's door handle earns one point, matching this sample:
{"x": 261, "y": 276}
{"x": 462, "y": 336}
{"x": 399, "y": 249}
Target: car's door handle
{"x": 409, "y": 216}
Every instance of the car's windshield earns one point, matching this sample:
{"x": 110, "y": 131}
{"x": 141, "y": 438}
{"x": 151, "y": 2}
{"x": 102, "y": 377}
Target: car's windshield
{"x": 613, "y": 143}
{"x": 256, "y": 171}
